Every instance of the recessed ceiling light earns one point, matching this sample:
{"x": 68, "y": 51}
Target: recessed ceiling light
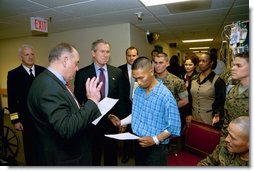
{"x": 160, "y": 2}
{"x": 194, "y": 48}
{"x": 197, "y": 40}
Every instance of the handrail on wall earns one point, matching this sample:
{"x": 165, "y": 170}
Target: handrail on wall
{"x": 3, "y": 91}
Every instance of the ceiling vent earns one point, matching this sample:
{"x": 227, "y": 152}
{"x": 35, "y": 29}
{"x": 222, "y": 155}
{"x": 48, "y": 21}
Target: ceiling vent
{"x": 188, "y": 6}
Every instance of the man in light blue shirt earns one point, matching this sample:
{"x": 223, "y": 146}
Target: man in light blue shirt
{"x": 155, "y": 116}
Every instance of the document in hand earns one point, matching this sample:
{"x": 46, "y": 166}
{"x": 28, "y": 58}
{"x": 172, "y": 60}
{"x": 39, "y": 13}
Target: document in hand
{"x": 123, "y": 136}
{"x": 104, "y": 106}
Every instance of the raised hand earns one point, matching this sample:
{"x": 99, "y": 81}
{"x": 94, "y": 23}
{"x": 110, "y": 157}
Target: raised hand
{"x": 93, "y": 89}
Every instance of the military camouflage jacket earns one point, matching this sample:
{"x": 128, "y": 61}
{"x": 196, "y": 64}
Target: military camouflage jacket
{"x": 221, "y": 157}
{"x": 176, "y": 86}
{"x": 235, "y": 105}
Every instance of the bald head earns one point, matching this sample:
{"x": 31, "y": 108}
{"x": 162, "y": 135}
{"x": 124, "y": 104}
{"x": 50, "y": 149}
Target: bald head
{"x": 59, "y": 49}
{"x": 243, "y": 123}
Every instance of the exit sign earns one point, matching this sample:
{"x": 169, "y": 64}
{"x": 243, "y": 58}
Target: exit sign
{"x": 39, "y": 24}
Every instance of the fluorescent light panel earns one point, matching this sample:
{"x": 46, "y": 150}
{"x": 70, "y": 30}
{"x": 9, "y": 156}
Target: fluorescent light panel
{"x": 197, "y": 40}
{"x": 160, "y": 2}
{"x": 194, "y": 48}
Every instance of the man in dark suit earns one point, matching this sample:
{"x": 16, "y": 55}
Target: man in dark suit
{"x": 114, "y": 88}
{"x": 19, "y": 81}
{"x": 59, "y": 122}
{"x": 131, "y": 54}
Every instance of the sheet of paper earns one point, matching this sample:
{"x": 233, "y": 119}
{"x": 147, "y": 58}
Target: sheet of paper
{"x": 134, "y": 88}
{"x": 104, "y": 106}
{"x": 123, "y": 136}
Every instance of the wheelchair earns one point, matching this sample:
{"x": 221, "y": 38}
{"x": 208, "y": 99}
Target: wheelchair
{"x": 9, "y": 143}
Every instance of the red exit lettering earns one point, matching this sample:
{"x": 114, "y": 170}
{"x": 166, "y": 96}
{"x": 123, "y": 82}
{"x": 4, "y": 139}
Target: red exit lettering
{"x": 40, "y": 25}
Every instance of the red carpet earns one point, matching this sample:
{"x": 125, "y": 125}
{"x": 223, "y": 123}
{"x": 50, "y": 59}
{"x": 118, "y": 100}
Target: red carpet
{"x": 199, "y": 138}
{"x": 183, "y": 159}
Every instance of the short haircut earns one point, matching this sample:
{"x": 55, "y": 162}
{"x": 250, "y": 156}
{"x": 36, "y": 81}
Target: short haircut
{"x": 174, "y": 60}
{"x": 244, "y": 55}
{"x": 213, "y": 51}
{"x": 25, "y": 46}
{"x": 131, "y": 48}
{"x": 142, "y": 63}
{"x": 244, "y": 123}
{"x": 58, "y": 50}
{"x": 213, "y": 58}
{"x": 162, "y": 55}
{"x": 155, "y": 50}
{"x": 96, "y": 42}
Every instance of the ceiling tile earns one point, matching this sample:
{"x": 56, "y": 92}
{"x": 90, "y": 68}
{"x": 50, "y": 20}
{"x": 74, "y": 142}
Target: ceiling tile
{"x": 76, "y": 14}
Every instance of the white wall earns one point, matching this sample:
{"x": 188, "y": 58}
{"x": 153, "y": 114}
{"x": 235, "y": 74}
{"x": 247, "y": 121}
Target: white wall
{"x": 117, "y": 35}
{"x": 120, "y": 36}
{"x": 138, "y": 40}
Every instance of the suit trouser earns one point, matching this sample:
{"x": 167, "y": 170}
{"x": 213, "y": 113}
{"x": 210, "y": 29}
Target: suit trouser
{"x": 155, "y": 155}
{"x": 128, "y": 145}
{"x": 28, "y": 144}
{"x": 104, "y": 144}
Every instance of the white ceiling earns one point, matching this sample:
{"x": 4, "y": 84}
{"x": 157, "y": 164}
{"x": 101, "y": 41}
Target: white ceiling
{"x": 172, "y": 22}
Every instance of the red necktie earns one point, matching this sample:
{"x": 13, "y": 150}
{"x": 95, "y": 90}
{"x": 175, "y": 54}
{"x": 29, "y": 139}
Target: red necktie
{"x": 71, "y": 91}
{"x": 69, "y": 87}
{"x": 187, "y": 78}
{"x": 102, "y": 79}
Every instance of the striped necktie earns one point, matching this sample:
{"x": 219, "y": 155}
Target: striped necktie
{"x": 102, "y": 79}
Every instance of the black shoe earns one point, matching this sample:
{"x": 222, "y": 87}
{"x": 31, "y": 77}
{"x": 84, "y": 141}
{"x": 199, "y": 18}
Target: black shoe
{"x": 125, "y": 159}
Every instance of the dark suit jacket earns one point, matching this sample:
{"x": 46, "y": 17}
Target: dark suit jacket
{"x": 60, "y": 126}
{"x": 127, "y": 86}
{"x": 116, "y": 87}
{"x": 18, "y": 85}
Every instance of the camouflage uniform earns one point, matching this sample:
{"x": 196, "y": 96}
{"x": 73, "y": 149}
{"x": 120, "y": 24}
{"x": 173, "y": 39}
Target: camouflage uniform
{"x": 226, "y": 76}
{"x": 179, "y": 91}
{"x": 176, "y": 86}
{"x": 221, "y": 157}
{"x": 235, "y": 105}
